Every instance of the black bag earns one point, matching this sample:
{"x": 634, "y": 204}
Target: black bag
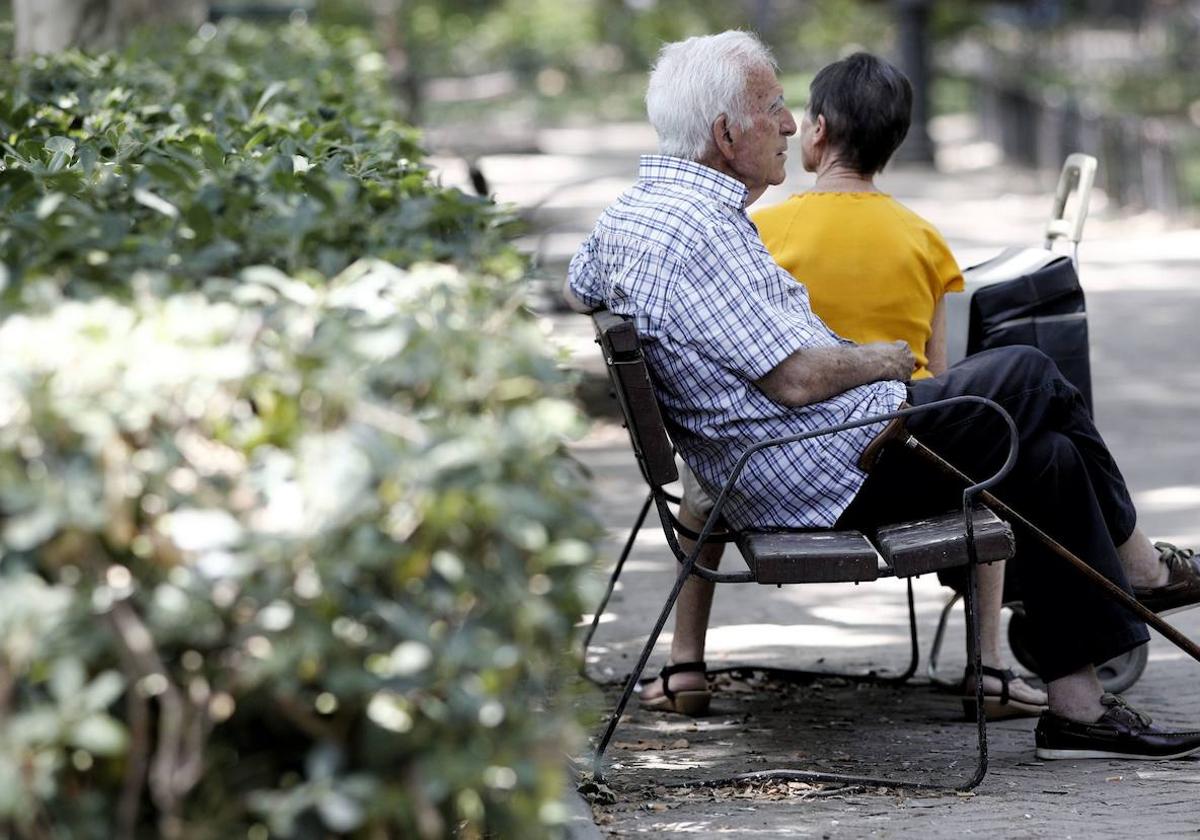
{"x": 1042, "y": 306}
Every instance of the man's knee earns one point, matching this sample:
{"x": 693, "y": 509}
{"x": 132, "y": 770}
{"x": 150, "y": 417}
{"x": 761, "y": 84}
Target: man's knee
{"x": 1001, "y": 373}
{"x": 1050, "y": 459}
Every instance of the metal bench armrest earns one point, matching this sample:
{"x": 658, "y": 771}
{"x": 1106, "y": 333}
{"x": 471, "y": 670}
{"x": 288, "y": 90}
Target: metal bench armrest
{"x": 968, "y": 494}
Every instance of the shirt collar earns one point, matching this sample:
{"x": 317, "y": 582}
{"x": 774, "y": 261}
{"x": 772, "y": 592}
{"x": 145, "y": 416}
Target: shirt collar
{"x": 705, "y": 179}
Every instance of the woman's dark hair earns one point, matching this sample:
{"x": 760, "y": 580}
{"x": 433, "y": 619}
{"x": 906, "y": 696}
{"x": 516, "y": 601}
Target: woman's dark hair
{"x": 867, "y": 105}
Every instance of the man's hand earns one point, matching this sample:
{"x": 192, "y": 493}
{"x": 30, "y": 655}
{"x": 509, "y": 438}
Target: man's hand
{"x": 813, "y": 374}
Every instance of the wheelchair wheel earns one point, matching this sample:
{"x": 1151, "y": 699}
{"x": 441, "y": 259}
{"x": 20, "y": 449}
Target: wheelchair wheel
{"x": 1116, "y": 675}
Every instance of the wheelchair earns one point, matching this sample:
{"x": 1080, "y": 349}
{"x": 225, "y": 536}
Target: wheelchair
{"x": 1032, "y": 296}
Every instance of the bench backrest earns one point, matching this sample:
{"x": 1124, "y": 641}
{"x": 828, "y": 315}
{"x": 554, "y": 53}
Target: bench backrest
{"x": 630, "y": 379}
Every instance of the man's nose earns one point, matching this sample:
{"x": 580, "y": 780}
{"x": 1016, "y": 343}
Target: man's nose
{"x": 789, "y": 124}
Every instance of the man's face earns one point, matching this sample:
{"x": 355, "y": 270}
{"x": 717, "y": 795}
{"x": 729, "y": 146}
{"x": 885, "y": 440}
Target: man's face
{"x": 760, "y": 151}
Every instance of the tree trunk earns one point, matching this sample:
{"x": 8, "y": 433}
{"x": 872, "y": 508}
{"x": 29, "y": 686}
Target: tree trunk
{"x": 393, "y": 22}
{"x": 913, "y": 25}
{"x": 45, "y": 26}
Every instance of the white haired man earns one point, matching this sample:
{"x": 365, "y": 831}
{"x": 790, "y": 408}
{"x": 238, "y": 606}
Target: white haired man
{"x": 737, "y": 356}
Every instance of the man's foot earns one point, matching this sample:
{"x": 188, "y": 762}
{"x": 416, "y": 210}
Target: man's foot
{"x": 1121, "y": 732}
{"x": 1005, "y": 695}
{"x": 1182, "y": 589}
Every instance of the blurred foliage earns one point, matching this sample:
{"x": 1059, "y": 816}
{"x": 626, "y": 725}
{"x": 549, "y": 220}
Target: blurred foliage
{"x": 289, "y": 541}
{"x": 582, "y": 60}
{"x": 576, "y": 47}
{"x": 465, "y": 36}
{"x": 1144, "y": 63}
{"x": 1130, "y": 69}
{"x": 170, "y": 154}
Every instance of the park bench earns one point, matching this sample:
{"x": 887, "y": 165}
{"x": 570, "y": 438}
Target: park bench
{"x": 776, "y": 557}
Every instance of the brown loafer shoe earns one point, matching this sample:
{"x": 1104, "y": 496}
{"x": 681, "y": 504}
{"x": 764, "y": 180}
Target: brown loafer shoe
{"x": 1121, "y": 732}
{"x": 1182, "y": 589}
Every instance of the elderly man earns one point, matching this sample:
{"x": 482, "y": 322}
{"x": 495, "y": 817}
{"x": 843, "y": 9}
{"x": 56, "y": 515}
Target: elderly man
{"x": 738, "y": 356}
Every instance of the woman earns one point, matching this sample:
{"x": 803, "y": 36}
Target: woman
{"x": 876, "y": 271}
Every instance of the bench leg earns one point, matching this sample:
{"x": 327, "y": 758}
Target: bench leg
{"x": 915, "y": 648}
{"x": 935, "y": 650}
{"x": 806, "y": 675}
{"x": 612, "y": 583}
{"x": 685, "y": 571}
{"x": 972, "y": 621}
{"x": 971, "y": 608}
{"x": 981, "y": 762}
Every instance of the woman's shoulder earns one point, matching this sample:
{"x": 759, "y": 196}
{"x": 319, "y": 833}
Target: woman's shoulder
{"x": 816, "y": 206}
{"x": 921, "y": 226}
{"x": 774, "y": 214}
{"x": 909, "y": 215}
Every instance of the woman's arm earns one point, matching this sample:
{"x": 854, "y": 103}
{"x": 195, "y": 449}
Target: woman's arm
{"x": 935, "y": 348}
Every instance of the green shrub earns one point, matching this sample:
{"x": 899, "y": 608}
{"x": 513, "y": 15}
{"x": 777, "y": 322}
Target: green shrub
{"x": 243, "y": 147}
{"x": 289, "y": 541}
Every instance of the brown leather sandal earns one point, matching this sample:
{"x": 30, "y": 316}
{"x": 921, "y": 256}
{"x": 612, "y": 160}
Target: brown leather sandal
{"x": 691, "y": 702}
{"x": 997, "y": 706}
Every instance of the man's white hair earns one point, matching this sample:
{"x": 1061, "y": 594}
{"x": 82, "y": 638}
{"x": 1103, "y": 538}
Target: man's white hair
{"x": 695, "y": 81}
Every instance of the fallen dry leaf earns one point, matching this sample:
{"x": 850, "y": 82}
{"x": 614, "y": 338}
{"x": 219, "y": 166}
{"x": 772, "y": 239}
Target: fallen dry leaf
{"x": 597, "y": 793}
{"x": 640, "y": 745}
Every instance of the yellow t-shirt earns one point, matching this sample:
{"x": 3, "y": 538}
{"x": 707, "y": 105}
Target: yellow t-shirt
{"x": 874, "y": 269}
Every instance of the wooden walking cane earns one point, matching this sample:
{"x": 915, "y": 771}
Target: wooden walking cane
{"x": 1123, "y": 598}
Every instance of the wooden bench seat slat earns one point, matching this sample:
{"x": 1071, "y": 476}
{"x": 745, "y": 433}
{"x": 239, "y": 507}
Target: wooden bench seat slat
{"x": 809, "y": 556}
{"x": 940, "y": 542}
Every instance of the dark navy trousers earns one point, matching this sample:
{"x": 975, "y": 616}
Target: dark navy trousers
{"x": 1065, "y": 481}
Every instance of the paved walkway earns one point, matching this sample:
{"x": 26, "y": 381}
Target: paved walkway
{"x": 1142, "y": 279}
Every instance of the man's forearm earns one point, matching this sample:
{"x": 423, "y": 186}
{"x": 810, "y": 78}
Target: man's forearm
{"x": 573, "y": 300}
{"x": 814, "y": 374}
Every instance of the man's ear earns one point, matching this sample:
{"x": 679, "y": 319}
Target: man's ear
{"x": 722, "y": 137}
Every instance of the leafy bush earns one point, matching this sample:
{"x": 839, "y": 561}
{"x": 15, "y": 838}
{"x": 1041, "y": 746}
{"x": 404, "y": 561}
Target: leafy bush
{"x": 242, "y": 148}
{"x": 289, "y": 542}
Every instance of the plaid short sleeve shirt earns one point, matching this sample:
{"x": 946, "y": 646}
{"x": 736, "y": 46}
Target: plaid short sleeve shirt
{"x": 715, "y": 313}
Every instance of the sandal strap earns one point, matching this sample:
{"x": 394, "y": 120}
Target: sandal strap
{"x": 669, "y": 671}
{"x": 1005, "y": 675}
